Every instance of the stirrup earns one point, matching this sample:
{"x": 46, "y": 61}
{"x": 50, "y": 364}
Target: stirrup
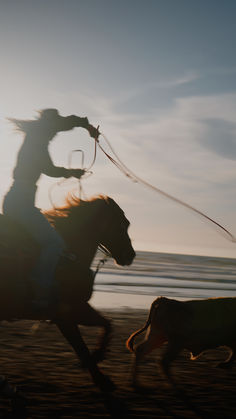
{"x": 67, "y": 257}
{"x": 40, "y": 305}
{"x": 71, "y": 256}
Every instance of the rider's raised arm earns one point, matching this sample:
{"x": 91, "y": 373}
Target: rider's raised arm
{"x": 67, "y": 123}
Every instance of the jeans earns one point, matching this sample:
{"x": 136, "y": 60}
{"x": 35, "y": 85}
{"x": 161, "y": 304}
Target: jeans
{"x": 19, "y": 205}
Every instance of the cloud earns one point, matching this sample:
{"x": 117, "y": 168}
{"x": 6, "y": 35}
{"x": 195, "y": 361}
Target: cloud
{"x": 162, "y": 93}
{"x": 147, "y": 96}
{"x": 220, "y": 137}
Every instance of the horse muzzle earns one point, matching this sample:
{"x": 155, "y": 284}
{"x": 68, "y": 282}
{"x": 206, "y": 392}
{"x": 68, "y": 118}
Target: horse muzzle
{"x": 126, "y": 259}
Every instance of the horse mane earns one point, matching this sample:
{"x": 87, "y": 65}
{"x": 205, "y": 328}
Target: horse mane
{"x": 74, "y": 205}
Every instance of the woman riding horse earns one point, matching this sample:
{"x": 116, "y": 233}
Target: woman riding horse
{"x": 19, "y": 203}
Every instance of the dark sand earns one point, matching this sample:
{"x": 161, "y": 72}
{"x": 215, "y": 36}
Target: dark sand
{"x": 46, "y": 370}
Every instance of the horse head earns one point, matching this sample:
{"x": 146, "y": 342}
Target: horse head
{"x": 114, "y": 232}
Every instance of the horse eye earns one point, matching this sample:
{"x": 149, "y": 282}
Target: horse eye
{"x": 125, "y": 226}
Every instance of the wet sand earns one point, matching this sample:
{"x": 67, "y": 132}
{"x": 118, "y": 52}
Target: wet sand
{"x": 46, "y": 370}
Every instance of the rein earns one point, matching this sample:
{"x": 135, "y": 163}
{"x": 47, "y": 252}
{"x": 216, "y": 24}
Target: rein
{"x": 103, "y": 260}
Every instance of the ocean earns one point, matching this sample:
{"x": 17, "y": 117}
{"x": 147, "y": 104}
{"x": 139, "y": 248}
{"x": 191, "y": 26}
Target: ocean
{"x": 163, "y": 274}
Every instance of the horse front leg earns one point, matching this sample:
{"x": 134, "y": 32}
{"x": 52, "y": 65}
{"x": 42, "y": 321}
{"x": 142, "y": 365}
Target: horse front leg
{"x": 72, "y": 334}
{"x": 92, "y": 317}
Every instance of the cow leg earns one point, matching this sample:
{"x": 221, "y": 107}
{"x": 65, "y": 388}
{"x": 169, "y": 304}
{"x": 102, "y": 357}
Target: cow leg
{"x": 91, "y": 317}
{"x": 230, "y": 360}
{"x": 72, "y": 334}
{"x": 172, "y": 351}
{"x": 141, "y": 350}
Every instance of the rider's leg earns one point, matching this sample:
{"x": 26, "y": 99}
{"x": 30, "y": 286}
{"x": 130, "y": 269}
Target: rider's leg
{"x": 19, "y": 205}
{"x": 52, "y": 247}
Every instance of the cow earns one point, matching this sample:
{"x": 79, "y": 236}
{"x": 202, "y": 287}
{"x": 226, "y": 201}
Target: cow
{"x": 195, "y": 325}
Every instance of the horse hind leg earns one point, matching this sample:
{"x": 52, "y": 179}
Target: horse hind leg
{"x": 11, "y": 392}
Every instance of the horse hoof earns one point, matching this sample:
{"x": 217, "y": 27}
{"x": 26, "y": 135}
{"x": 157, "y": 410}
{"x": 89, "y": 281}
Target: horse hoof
{"x": 224, "y": 365}
{"x": 98, "y": 356}
{"x": 19, "y": 402}
{"x": 140, "y": 389}
{"x": 106, "y": 385}
{"x": 8, "y": 390}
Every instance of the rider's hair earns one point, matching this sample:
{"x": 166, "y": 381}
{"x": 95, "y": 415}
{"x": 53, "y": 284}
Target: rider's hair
{"x": 45, "y": 115}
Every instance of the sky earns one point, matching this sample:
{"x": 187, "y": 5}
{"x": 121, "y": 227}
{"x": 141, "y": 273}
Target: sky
{"x": 159, "y": 78}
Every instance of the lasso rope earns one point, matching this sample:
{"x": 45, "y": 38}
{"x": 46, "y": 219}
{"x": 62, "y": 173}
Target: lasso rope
{"x": 132, "y": 176}
{"x": 61, "y": 182}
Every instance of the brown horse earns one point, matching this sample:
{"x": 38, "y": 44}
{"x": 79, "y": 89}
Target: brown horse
{"x": 84, "y": 225}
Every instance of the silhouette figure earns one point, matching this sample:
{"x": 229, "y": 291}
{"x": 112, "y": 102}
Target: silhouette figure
{"x": 19, "y": 203}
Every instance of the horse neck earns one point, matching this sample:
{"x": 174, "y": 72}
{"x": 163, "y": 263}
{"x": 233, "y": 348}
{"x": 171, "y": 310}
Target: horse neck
{"x": 84, "y": 244}
{"x": 86, "y": 250}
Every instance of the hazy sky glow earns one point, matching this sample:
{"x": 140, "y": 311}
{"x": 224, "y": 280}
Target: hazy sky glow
{"x": 159, "y": 77}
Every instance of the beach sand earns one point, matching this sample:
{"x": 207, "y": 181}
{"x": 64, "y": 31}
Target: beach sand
{"x": 45, "y": 369}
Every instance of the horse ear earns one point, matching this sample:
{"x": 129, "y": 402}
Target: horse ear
{"x": 109, "y": 201}
{"x": 112, "y": 204}
{"x": 102, "y": 200}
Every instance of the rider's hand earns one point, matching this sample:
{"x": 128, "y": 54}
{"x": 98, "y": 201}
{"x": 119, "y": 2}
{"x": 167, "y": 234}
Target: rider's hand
{"x": 94, "y": 133}
{"x": 76, "y": 173}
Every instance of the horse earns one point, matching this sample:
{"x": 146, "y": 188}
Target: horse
{"x": 84, "y": 225}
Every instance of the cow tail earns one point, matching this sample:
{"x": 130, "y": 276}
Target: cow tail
{"x": 130, "y": 340}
